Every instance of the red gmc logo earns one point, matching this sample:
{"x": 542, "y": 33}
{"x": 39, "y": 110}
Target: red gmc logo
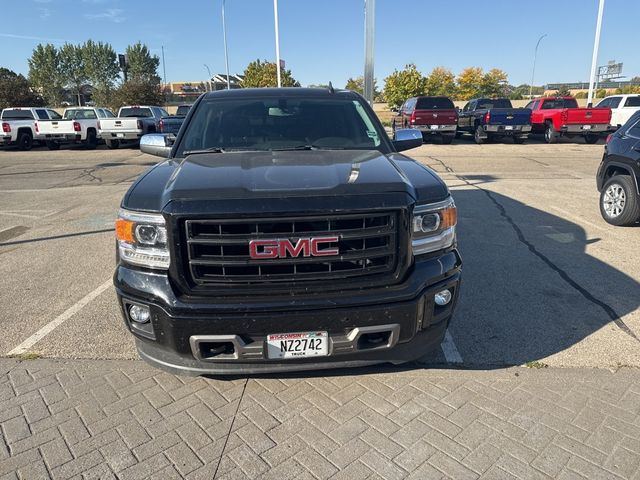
{"x": 281, "y": 248}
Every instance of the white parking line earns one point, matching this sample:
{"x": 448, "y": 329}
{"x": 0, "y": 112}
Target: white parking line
{"x": 59, "y": 320}
{"x": 451, "y": 353}
{"x": 579, "y": 220}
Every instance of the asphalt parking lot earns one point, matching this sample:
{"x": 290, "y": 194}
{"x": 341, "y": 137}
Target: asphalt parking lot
{"x": 545, "y": 278}
{"x": 547, "y": 283}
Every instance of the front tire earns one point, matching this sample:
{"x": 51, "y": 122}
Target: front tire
{"x": 591, "y": 139}
{"x": 447, "y": 139}
{"x": 112, "y": 144}
{"x": 518, "y": 140}
{"x": 51, "y": 145}
{"x": 478, "y": 135}
{"x": 619, "y": 202}
{"x": 550, "y": 135}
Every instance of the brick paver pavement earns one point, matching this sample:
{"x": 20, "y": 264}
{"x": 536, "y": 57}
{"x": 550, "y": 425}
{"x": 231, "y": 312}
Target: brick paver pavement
{"x": 125, "y": 420}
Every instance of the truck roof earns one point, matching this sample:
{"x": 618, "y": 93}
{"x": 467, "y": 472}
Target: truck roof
{"x": 280, "y": 92}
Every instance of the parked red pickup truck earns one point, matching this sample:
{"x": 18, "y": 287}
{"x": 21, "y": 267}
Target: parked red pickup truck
{"x": 433, "y": 116}
{"x": 561, "y": 116}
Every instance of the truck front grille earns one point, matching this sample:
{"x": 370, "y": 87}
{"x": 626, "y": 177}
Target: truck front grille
{"x": 218, "y": 250}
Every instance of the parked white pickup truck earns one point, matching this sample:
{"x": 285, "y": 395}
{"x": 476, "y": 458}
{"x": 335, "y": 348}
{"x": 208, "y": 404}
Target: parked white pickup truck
{"x": 78, "y": 125}
{"x": 622, "y": 107}
{"x": 20, "y": 125}
{"x": 132, "y": 123}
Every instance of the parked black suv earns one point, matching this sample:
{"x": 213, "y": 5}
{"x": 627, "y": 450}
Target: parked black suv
{"x": 285, "y": 232}
{"x": 619, "y": 175}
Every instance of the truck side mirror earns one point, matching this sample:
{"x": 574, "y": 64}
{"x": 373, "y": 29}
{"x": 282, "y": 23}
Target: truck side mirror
{"x": 407, "y": 138}
{"x": 158, "y": 144}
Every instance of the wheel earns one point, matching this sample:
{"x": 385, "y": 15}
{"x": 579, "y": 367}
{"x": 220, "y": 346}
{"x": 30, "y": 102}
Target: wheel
{"x": 92, "y": 140}
{"x": 619, "y": 201}
{"x": 518, "y": 140}
{"x": 591, "y": 139}
{"x": 550, "y": 135}
{"x": 447, "y": 139}
{"x": 53, "y": 145}
{"x": 478, "y": 134}
{"x": 112, "y": 144}
{"x": 25, "y": 141}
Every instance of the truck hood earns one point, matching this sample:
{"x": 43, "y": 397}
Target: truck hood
{"x": 283, "y": 174}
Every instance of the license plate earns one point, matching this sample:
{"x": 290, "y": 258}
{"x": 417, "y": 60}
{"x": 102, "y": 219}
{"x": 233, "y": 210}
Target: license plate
{"x": 586, "y": 127}
{"x": 435, "y": 127}
{"x": 297, "y": 345}
{"x": 509, "y": 127}
{"x": 120, "y": 135}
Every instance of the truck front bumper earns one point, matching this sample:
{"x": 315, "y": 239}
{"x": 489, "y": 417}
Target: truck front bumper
{"x": 403, "y": 319}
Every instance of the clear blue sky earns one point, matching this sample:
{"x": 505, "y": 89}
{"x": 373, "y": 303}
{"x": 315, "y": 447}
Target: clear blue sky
{"x": 323, "y": 40}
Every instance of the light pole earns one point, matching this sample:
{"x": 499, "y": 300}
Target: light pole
{"x": 275, "y": 19}
{"x": 594, "y": 58}
{"x": 369, "y": 35}
{"x": 533, "y": 72}
{"x": 208, "y": 81}
{"x": 226, "y": 53}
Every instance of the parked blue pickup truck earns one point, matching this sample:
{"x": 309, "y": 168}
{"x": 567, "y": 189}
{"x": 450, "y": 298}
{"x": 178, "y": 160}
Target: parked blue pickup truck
{"x": 172, "y": 123}
{"x": 489, "y": 118}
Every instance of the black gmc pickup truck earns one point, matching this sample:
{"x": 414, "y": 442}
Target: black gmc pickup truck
{"x": 284, "y": 232}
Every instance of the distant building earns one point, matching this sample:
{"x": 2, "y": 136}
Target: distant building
{"x": 219, "y": 81}
{"x": 192, "y": 89}
{"x": 583, "y": 87}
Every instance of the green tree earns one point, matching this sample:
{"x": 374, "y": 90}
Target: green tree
{"x": 357, "y": 85}
{"x": 441, "y": 81}
{"x": 265, "y": 74}
{"x": 318, "y": 85}
{"x": 136, "y": 92}
{"x": 469, "y": 83}
{"x": 72, "y": 69}
{"x": 403, "y": 84}
{"x": 494, "y": 83}
{"x": 15, "y": 91}
{"x": 101, "y": 69}
{"x": 44, "y": 73}
{"x": 563, "y": 91}
{"x": 142, "y": 67}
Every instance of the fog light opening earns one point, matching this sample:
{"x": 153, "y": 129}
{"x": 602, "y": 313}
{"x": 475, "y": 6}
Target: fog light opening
{"x": 442, "y": 298}
{"x": 139, "y": 313}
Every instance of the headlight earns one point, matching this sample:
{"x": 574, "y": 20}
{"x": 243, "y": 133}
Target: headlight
{"x": 434, "y": 226}
{"x": 142, "y": 239}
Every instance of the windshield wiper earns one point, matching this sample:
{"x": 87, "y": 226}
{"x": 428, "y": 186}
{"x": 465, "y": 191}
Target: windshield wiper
{"x": 305, "y": 147}
{"x": 204, "y": 150}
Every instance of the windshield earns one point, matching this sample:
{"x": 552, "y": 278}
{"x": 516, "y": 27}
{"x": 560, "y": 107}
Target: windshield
{"x": 552, "y": 104}
{"x": 280, "y": 124}
{"x": 434, "y": 103}
{"x": 494, "y": 103}
{"x": 77, "y": 113}
{"x": 182, "y": 110}
{"x": 17, "y": 114}
{"x": 135, "y": 112}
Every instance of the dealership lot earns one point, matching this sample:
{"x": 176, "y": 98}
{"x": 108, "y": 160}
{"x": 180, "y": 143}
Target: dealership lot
{"x": 546, "y": 283}
{"x": 546, "y": 279}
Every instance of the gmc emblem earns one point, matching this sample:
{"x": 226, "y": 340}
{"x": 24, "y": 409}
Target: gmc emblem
{"x": 281, "y": 248}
